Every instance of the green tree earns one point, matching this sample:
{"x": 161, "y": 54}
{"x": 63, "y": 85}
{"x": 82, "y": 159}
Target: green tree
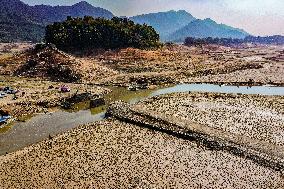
{"x": 87, "y": 33}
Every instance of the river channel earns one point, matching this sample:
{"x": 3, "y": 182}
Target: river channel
{"x": 18, "y": 135}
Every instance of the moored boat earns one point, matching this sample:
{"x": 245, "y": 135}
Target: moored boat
{"x": 132, "y": 87}
{"x": 4, "y": 120}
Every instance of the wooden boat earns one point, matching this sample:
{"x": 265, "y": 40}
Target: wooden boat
{"x": 5, "y": 120}
{"x": 132, "y": 87}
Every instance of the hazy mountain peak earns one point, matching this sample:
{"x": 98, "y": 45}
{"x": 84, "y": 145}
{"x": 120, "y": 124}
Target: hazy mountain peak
{"x": 83, "y": 4}
{"x": 11, "y": 1}
{"x": 183, "y": 12}
{"x": 207, "y": 28}
{"x": 174, "y": 24}
{"x": 165, "y": 22}
{"x": 209, "y": 20}
{"x": 9, "y": 4}
{"x": 176, "y": 11}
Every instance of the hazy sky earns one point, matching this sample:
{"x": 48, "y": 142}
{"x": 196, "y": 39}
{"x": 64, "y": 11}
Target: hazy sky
{"x": 258, "y": 17}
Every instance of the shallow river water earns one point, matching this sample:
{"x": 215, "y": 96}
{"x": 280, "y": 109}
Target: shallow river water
{"x": 21, "y": 134}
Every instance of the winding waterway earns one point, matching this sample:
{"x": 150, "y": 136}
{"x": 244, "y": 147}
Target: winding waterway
{"x": 21, "y": 134}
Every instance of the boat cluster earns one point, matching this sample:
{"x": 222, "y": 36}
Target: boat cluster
{"x": 7, "y": 90}
{"x": 136, "y": 87}
{"x": 5, "y": 118}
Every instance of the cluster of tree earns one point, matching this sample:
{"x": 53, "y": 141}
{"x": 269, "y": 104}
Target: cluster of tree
{"x": 88, "y": 33}
{"x": 276, "y": 40}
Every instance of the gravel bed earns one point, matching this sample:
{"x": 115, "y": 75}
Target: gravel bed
{"x": 112, "y": 154}
{"x": 255, "y": 116}
{"x": 270, "y": 73}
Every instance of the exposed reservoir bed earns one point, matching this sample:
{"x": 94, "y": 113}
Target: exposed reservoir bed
{"x": 21, "y": 134}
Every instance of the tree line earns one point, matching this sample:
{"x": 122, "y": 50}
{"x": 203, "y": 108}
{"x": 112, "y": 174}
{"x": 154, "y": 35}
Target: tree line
{"x": 276, "y": 40}
{"x": 88, "y": 32}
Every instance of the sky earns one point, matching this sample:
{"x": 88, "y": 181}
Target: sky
{"x": 257, "y": 17}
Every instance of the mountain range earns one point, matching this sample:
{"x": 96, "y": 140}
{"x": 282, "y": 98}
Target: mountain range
{"x": 206, "y": 28}
{"x": 21, "y": 22}
{"x": 165, "y": 23}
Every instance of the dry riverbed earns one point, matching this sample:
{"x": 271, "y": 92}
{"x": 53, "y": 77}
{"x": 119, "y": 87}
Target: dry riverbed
{"x": 255, "y": 116}
{"x": 169, "y": 64}
{"x": 113, "y": 154}
{"x": 209, "y": 64}
{"x": 116, "y": 154}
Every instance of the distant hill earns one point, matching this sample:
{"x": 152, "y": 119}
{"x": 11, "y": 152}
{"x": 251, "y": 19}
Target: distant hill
{"x": 207, "y": 28}
{"x": 21, "y": 22}
{"x": 49, "y": 14}
{"x": 165, "y": 23}
{"x": 18, "y": 22}
{"x": 177, "y": 25}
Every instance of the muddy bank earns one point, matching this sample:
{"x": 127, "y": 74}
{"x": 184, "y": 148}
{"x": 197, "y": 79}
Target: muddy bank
{"x": 261, "y": 152}
{"x": 37, "y": 96}
{"x": 113, "y": 154}
{"x": 34, "y": 129}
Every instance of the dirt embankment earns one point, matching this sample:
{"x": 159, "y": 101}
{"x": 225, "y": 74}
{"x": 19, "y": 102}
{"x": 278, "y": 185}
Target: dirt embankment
{"x": 43, "y": 61}
{"x": 169, "y": 64}
{"x": 49, "y": 63}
